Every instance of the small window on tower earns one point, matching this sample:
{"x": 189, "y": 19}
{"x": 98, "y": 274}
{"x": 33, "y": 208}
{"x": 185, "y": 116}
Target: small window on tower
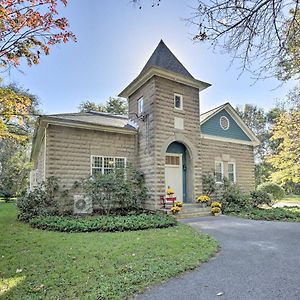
{"x": 140, "y": 106}
{"x": 178, "y": 103}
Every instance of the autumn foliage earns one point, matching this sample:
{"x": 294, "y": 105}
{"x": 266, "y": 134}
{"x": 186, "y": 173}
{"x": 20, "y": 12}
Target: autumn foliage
{"x": 28, "y": 28}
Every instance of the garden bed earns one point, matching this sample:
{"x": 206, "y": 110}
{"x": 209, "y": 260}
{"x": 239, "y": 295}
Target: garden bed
{"x": 289, "y": 214}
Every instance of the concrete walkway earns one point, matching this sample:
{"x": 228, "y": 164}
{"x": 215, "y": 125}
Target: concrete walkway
{"x": 257, "y": 260}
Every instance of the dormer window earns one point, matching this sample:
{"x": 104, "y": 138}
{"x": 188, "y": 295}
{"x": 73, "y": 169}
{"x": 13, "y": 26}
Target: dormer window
{"x": 140, "y": 106}
{"x": 178, "y": 101}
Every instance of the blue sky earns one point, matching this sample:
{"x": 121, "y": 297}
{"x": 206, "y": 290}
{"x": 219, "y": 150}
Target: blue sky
{"x": 115, "y": 40}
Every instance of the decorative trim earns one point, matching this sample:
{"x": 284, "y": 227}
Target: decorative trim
{"x": 226, "y": 120}
{"x": 229, "y": 140}
{"x": 152, "y": 71}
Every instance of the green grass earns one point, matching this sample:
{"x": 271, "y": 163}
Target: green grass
{"x": 36, "y": 264}
{"x": 290, "y": 199}
{"x": 289, "y": 214}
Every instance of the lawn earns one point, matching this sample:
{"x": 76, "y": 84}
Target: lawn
{"x": 291, "y": 199}
{"x": 36, "y": 264}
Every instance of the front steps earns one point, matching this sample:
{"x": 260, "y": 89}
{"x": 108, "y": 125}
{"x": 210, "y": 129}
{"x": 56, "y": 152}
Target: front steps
{"x": 190, "y": 210}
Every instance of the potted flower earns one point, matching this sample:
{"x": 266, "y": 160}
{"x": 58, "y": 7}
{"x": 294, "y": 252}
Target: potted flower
{"x": 203, "y": 200}
{"x": 178, "y": 204}
{"x": 175, "y": 210}
{"x": 170, "y": 192}
{"x": 216, "y": 208}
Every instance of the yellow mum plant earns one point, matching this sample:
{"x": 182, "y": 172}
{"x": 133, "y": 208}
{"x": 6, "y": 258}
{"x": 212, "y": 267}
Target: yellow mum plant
{"x": 175, "y": 209}
{"x": 215, "y": 210}
{"x": 170, "y": 191}
{"x": 216, "y": 204}
{"x": 178, "y": 204}
{"x": 203, "y": 198}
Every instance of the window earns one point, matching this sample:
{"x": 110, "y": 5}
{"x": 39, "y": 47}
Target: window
{"x": 140, "y": 105}
{"x": 219, "y": 171}
{"x": 224, "y": 123}
{"x": 106, "y": 164}
{"x": 231, "y": 172}
{"x": 172, "y": 160}
{"x": 178, "y": 103}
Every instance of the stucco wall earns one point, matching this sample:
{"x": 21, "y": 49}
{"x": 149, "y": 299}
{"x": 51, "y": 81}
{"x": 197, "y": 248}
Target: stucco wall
{"x": 242, "y": 155}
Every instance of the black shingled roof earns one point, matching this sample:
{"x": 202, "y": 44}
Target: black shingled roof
{"x": 163, "y": 57}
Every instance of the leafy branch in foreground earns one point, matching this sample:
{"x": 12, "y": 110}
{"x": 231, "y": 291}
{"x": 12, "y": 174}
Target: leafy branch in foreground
{"x": 28, "y": 28}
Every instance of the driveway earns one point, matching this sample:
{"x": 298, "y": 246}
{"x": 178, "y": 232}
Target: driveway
{"x": 257, "y": 260}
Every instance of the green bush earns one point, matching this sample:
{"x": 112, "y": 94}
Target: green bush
{"x": 272, "y": 188}
{"x": 232, "y": 199}
{"x": 209, "y": 184}
{"x": 39, "y": 202}
{"x": 115, "y": 192}
{"x": 260, "y": 198}
{"x": 291, "y": 214}
{"x": 103, "y": 223}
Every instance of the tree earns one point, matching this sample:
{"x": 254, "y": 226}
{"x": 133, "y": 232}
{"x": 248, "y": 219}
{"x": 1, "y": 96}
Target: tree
{"x": 256, "y": 119}
{"x": 15, "y": 168}
{"x": 249, "y": 31}
{"x": 16, "y": 109}
{"x": 286, "y": 160}
{"x": 29, "y": 28}
{"x": 18, "y": 112}
{"x": 289, "y": 63}
{"x": 116, "y": 106}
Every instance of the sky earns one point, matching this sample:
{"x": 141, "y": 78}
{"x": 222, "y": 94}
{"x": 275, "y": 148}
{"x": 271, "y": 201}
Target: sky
{"x": 114, "y": 41}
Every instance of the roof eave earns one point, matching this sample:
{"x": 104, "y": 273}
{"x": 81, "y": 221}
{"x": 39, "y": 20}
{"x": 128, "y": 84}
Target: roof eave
{"x": 152, "y": 71}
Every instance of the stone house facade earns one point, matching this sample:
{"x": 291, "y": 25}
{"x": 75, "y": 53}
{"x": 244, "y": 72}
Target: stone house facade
{"x": 164, "y": 136}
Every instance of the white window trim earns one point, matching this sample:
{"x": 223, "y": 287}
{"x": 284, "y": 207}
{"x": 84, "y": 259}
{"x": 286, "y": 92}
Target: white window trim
{"x": 140, "y": 108}
{"x": 227, "y": 121}
{"x": 222, "y": 169}
{"x": 102, "y": 168}
{"x": 234, "y": 170}
{"x": 181, "y": 101}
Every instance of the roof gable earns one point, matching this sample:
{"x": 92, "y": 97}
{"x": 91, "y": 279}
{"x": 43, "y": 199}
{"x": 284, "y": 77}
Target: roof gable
{"x": 238, "y": 130}
{"x": 163, "y": 57}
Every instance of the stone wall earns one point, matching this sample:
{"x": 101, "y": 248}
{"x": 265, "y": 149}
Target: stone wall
{"x": 157, "y": 132}
{"x": 240, "y": 154}
{"x": 69, "y": 151}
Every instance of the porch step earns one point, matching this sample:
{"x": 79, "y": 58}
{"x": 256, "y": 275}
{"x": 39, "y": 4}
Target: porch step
{"x": 191, "y": 210}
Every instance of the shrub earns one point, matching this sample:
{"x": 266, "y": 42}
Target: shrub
{"x": 290, "y": 214}
{"x": 103, "y": 223}
{"x": 209, "y": 183}
{"x": 232, "y": 198}
{"x": 260, "y": 198}
{"x": 39, "y": 202}
{"x": 115, "y": 192}
{"x": 272, "y": 188}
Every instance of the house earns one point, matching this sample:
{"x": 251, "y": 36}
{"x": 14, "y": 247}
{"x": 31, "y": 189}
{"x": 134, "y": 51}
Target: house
{"x": 164, "y": 135}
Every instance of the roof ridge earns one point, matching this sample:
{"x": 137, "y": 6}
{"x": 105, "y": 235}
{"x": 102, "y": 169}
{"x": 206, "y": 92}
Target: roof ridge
{"x": 215, "y": 108}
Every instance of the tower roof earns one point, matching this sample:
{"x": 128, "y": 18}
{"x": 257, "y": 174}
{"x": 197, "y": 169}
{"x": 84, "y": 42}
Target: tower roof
{"x": 162, "y": 57}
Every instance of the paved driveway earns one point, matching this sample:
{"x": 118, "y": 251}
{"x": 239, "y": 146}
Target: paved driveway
{"x": 258, "y": 260}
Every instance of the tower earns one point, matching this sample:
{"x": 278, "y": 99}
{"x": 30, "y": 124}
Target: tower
{"x": 164, "y": 101}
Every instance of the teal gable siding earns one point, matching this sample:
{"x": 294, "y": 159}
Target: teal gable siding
{"x": 212, "y": 127}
